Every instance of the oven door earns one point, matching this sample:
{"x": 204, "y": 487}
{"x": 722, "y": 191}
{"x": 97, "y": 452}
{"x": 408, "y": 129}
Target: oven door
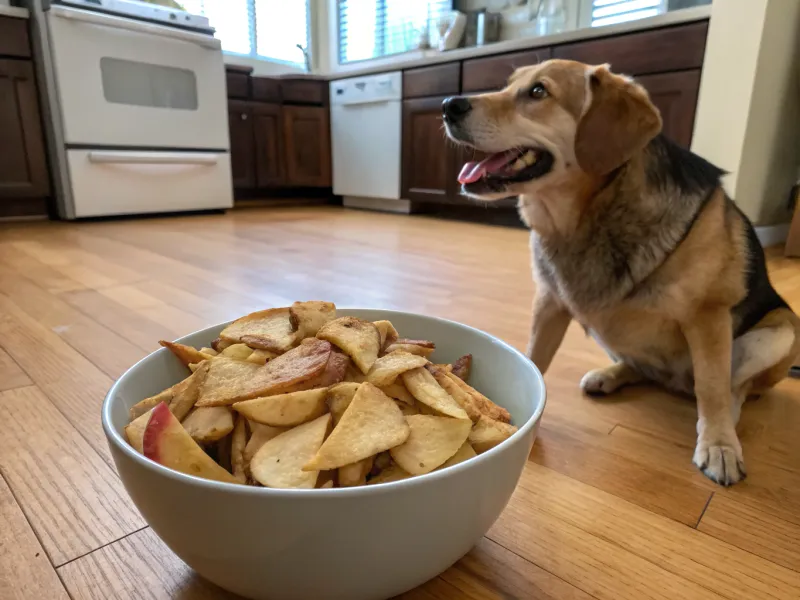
{"x": 127, "y": 83}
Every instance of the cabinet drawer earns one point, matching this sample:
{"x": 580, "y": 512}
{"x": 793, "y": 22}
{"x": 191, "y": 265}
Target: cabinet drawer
{"x": 238, "y": 84}
{"x": 304, "y": 92}
{"x": 438, "y": 80}
{"x": 671, "y": 49}
{"x": 265, "y": 89}
{"x": 14, "y": 37}
{"x": 492, "y": 72}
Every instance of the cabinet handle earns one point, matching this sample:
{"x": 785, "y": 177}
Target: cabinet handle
{"x": 244, "y": 116}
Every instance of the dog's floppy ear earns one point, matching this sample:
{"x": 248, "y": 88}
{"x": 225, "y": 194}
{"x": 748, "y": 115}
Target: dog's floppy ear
{"x": 619, "y": 122}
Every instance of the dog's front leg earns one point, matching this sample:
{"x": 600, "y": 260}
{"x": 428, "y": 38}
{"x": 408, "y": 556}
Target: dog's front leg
{"x": 718, "y": 454}
{"x": 550, "y": 322}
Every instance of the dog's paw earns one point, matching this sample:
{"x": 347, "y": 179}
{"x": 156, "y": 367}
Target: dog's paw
{"x": 722, "y": 463}
{"x": 600, "y": 382}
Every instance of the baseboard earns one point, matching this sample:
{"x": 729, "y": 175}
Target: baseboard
{"x": 772, "y": 235}
{"x": 378, "y": 204}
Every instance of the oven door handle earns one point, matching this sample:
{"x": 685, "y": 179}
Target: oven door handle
{"x": 153, "y": 158}
{"x": 85, "y": 16}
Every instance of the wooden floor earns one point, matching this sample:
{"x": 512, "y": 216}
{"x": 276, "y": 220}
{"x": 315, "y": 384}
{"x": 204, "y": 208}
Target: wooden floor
{"x": 609, "y": 506}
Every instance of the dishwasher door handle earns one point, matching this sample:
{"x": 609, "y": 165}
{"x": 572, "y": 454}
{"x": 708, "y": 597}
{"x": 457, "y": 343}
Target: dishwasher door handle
{"x": 369, "y": 101}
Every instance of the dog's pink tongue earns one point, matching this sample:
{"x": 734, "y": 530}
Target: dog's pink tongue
{"x": 473, "y": 171}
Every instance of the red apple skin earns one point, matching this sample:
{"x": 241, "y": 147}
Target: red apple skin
{"x": 160, "y": 419}
{"x": 166, "y": 442}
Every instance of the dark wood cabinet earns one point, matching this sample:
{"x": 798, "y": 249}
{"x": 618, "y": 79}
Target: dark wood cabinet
{"x": 23, "y": 164}
{"x": 307, "y": 146}
{"x": 269, "y": 145}
{"x": 240, "y": 124}
{"x": 492, "y": 72}
{"x": 429, "y": 159}
{"x": 675, "y": 96}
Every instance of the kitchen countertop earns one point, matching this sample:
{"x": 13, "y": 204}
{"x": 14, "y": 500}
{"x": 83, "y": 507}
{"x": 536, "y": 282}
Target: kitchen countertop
{"x": 422, "y": 58}
{"x": 14, "y": 11}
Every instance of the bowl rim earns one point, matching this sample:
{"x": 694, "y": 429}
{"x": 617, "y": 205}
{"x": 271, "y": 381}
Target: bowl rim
{"x": 115, "y": 438}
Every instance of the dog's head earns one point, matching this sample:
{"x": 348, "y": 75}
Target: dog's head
{"x": 551, "y": 119}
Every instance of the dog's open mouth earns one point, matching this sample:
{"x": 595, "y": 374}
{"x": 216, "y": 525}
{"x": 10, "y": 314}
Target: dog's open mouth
{"x": 511, "y": 166}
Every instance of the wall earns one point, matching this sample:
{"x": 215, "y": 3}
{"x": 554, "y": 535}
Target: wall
{"x": 748, "y": 114}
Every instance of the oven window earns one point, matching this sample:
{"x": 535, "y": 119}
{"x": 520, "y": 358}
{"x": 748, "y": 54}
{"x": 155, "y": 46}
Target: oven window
{"x": 146, "y": 84}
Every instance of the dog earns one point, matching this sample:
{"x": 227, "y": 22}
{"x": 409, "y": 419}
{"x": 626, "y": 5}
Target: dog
{"x": 633, "y": 237}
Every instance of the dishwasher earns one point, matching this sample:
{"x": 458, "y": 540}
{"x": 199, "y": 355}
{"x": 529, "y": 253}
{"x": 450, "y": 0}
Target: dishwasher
{"x": 366, "y": 129}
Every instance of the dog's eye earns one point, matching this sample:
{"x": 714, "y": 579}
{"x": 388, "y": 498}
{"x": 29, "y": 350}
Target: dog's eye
{"x": 538, "y": 91}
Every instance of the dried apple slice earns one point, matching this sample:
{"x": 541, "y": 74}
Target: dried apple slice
{"x": 339, "y": 397}
{"x": 279, "y": 463}
{"x": 387, "y": 368}
{"x": 390, "y": 474}
{"x": 482, "y": 403}
{"x": 308, "y": 317}
{"x": 431, "y": 442}
{"x": 166, "y": 442}
{"x": 371, "y": 423}
{"x": 238, "y": 445}
{"x": 424, "y": 388}
{"x": 284, "y": 410}
{"x": 237, "y": 351}
{"x": 230, "y": 381}
{"x": 134, "y": 430}
{"x": 462, "y": 367}
{"x": 398, "y": 391}
{"x": 260, "y": 435}
{"x": 464, "y": 453}
{"x": 359, "y": 339}
{"x": 355, "y": 474}
{"x": 488, "y": 433}
{"x": 208, "y": 424}
{"x": 269, "y": 329}
{"x": 418, "y": 347}
{"x": 261, "y": 357}
{"x": 466, "y": 400}
{"x": 186, "y": 354}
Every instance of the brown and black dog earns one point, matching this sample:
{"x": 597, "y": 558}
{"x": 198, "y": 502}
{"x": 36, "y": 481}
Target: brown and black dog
{"x": 633, "y": 237}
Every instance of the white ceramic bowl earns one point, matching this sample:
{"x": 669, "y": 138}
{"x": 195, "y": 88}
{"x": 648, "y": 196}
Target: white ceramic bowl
{"x": 367, "y": 543}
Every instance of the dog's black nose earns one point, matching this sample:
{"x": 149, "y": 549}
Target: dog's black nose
{"x": 456, "y": 108}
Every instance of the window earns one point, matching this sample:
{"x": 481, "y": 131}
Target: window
{"x": 608, "y": 12}
{"x": 372, "y": 28}
{"x": 268, "y": 29}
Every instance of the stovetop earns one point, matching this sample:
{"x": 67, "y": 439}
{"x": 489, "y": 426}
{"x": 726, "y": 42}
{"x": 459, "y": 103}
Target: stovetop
{"x": 144, "y": 11}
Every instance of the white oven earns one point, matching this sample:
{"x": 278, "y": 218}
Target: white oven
{"x": 123, "y": 82}
{"x": 139, "y": 111}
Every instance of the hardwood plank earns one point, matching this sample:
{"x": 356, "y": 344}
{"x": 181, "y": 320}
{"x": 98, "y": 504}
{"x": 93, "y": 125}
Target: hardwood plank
{"x": 25, "y": 573}
{"x": 106, "y": 349}
{"x": 491, "y": 571}
{"x": 131, "y": 325}
{"x": 73, "y": 384}
{"x": 769, "y": 489}
{"x": 700, "y": 560}
{"x": 73, "y": 499}
{"x": 593, "y": 564}
{"x": 46, "y": 277}
{"x": 581, "y": 456}
{"x": 139, "y": 566}
{"x": 753, "y": 530}
{"x": 11, "y": 374}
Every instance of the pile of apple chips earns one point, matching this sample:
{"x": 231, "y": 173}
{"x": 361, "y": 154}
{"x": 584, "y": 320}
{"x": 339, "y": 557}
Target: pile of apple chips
{"x": 297, "y": 398}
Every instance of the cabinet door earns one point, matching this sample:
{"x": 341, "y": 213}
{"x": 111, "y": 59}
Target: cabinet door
{"x": 429, "y": 159}
{"x": 675, "y": 95}
{"x": 240, "y": 124}
{"x": 269, "y": 145}
{"x": 23, "y": 165}
{"x": 307, "y": 146}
